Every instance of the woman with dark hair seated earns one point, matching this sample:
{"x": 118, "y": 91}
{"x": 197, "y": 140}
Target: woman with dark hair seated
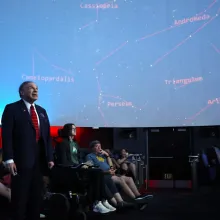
{"x": 68, "y": 153}
{"x": 126, "y": 163}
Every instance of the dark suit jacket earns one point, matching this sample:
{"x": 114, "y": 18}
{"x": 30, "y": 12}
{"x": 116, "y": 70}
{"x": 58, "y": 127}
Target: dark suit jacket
{"x": 63, "y": 154}
{"x": 19, "y": 135}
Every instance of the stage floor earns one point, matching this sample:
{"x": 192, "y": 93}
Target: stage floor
{"x": 169, "y": 204}
{"x": 176, "y": 205}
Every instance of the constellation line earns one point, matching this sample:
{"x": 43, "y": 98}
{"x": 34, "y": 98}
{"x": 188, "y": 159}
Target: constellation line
{"x": 191, "y": 118}
{"x": 215, "y": 48}
{"x": 111, "y": 53}
{"x": 174, "y": 26}
{"x": 47, "y": 61}
{"x": 182, "y": 42}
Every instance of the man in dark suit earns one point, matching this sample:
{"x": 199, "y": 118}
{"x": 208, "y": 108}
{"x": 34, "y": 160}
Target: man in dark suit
{"x": 27, "y": 151}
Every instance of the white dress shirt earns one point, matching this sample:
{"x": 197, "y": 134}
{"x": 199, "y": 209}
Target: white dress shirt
{"x": 28, "y": 105}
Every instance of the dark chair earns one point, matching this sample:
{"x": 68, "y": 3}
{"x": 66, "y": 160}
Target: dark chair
{"x": 67, "y": 196}
{"x": 83, "y": 152}
{"x": 206, "y": 172}
{"x": 209, "y": 166}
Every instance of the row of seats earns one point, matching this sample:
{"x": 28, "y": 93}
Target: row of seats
{"x": 70, "y": 201}
{"x": 67, "y": 198}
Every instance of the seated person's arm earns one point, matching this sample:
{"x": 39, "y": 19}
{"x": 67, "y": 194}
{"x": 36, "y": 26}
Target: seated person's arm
{"x": 109, "y": 161}
{"x": 115, "y": 163}
{"x": 120, "y": 161}
{"x": 112, "y": 169}
{"x": 5, "y": 191}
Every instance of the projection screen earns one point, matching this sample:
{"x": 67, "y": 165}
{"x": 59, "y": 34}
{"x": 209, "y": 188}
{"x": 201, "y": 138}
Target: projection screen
{"x": 119, "y": 63}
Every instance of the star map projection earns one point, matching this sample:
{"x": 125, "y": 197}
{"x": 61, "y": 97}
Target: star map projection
{"x": 119, "y": 63}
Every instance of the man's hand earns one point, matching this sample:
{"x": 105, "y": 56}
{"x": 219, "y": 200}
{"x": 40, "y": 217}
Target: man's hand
{"x": 85, "y": 167}
{"x": 104, "y": 153}
{"x": 12, "y": 168}
{"x": 50, "y": 164}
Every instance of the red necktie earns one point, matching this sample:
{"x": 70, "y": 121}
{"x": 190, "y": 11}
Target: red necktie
{"x": 35, "y": 122}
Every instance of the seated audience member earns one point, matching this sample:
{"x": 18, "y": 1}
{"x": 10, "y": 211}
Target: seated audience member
{"x": 101, "y": 158}
{"x": 5, "y": 191}
{"x": 126, "y": 164}
{"x": 115, "y": 164}
{"x": 67, "y": 153}
{"x": 5, "y": 180}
